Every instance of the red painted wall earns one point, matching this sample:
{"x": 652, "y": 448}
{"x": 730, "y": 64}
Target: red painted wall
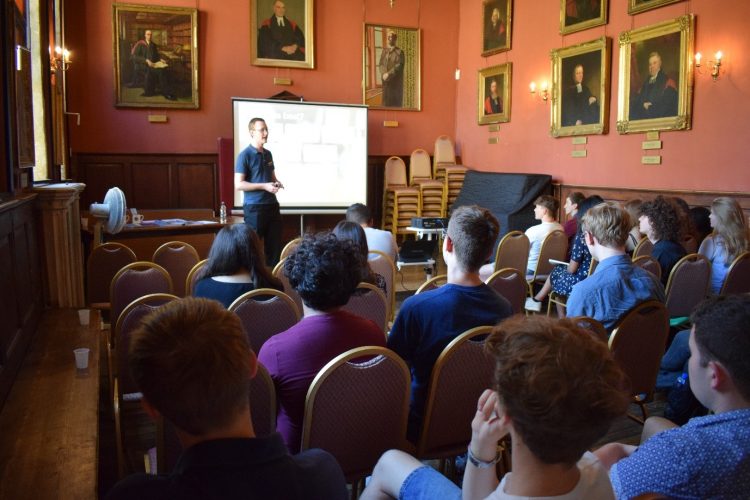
{"x": 711, "y": 156}
{"x": 225, "y": 72}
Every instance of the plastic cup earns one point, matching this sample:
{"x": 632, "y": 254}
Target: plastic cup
{"x": 84, "y": 315}
{"x": 82, "y": 358}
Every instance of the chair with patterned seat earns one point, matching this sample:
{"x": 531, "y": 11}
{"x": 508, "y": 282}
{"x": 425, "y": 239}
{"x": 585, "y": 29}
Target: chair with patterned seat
{"x": 511, "y": 284}
{"x": 460, "y": 375}
{"x": 356, "y": 409}
{"x": 264, "y": 312}
{"x": 637, "y": 343}
{"x": 369, "y": 302}
{"x": 178, "y": 258}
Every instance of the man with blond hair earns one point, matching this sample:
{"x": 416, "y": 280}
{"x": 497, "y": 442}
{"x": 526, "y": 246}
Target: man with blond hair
{"x": 617, "y": 286}
{"x": 193, "y": 364}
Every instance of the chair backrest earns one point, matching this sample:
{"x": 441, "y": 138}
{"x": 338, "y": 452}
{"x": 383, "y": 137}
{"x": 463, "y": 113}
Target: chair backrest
{"x": 262, "y": 414}
{"x": 644, "y": 247}
{"x": 513, "y": 251}
{"x": 444, "y": 151}
{"x": 637, "y": 343}
{"x": 382, "y": 264}
{"x": 554, "y": 246}
{"x": 262, "y": 319}
{"x": 104, "y": 262}
{"x": 278, "y": 272}
{"x": 738, "y": 276}
{"x": 192, "y": 277}
{"x": 178, "y": 258}
{"x": 358, "y": 410}
{"x": 688, "y": 284}
{"x": 650, "y": 264}
{"x": 136, "y": 280}
{"x": 460, "y": 375}
{"x": 395, "y": 172}
{"x": 432, "y": 283}
{"x": 290, "y": 247}
{"x": 419, "y": 165}
{"x": 128, "y": 321}
{"x": 595, "y": 327}
{"x": 511, "y": 284}
{"x": 369, "y": 302}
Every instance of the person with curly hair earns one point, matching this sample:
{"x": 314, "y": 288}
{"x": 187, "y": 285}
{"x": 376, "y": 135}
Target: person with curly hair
{"x": 661, "y": 224}
{"x": 325, "y": 272}
{"x": 236, "y": 265}
{"x": 730, "y": 238}
{"x": 556, "y": 390}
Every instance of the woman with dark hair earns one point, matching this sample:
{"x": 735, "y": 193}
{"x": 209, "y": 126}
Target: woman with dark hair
{"x": 661, "y": 224}
{"x": 235, "y": 266}
{"x": 562, "y": 278}
{"x": 347, "y": 230}
{"x": 325, "y": 272}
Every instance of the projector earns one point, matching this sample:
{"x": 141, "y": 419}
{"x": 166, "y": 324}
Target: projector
{"x": 429, "y": 222}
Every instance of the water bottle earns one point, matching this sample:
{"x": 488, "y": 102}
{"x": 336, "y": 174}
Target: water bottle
{"x": 223, "y": 213}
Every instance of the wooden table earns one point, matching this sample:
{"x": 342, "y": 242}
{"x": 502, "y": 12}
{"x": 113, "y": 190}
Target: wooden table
{"x": 49, "y": 424}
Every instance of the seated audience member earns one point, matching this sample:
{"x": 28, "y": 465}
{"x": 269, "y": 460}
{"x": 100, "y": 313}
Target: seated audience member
{"x": 709, "y": 457}
{"x": 556, "y": 391}
{"x": 545, "y": 209}
{"x": 660, "y": 223}
{"x": 562, "y": 278}
{"x": 728, "y": 240}
{"x": 325, "y": 271}
{"x": 617, "y": 285}
{"x": 377, "y": 239}
{"x": 572, "y": 202}
{"x": 429, "y": 321}
{"x": 701, "y": 220}
{"x": 236, "y": 265}
{"x": 633, "y": 208}
{"x": 192, "y": 362}
{"x": 346, "y": 230}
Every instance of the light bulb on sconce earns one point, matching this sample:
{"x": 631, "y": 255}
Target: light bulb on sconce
{"x": 543, "y": 90}
{"x": 714, "y": 64}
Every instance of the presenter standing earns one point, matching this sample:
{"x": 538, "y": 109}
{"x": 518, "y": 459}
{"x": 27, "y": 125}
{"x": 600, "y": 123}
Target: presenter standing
{"x": 254, "y": 174}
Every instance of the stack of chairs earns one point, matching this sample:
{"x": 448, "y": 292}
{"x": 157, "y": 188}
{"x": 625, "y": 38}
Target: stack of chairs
{"x": 400, "y": 202}
{"x": 444, "y": 168}
{"x": 431, "y": 191}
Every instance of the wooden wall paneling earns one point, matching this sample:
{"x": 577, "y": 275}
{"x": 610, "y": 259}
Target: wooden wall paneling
{"x": 197, "y": 184}
{"x": 151, "y": 185}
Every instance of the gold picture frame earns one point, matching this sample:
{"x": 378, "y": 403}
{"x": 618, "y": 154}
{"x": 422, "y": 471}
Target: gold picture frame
{"x": 580, "y": 88}
{"x": 636, "y": 6}
{"x": 497, "y": 109}
{"x": 156, "y": 56}
{"x": 497, "y": 26}
{"x": 392, "y": 67}
{"x": 656, "y": 77}
{"x": 577, "y": 15}
{"x": 282, "y": 33}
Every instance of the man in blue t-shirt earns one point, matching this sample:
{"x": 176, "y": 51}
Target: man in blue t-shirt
{"x": 254, "y": 173}
{"x": 709, "y": 457}
{"x": 428, "y": 322}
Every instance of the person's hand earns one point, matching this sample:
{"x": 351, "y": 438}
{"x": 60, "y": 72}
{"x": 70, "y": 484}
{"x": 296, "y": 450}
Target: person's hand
{"x": 487, "y": 428}
{"x": 592, "y": 100}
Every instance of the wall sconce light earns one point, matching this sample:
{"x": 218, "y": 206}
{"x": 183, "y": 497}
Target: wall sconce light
{"x": 60, "y": 60}
{"x": 715, "y": 64}
{"x": 543, "y": 90}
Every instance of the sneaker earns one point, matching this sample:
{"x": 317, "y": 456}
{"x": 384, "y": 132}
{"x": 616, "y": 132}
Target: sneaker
{"x": 533, "y": 305}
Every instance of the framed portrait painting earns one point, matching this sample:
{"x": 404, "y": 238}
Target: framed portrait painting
{"x": 493, "y": 98}
{"x": 497, "y": 25}
{"x": 580, "y": 88}
{"x": 636, "y": 6}
{"x": 577, "y": 15}
{"x": 282, "y": 33}
{"x": 656, "y": 77}
{"x": 392, "y": 67}
{"x": 156, "y": 56}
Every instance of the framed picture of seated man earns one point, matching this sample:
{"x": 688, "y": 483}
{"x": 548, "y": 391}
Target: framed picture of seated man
{"x": 656, "y": 77}
{"x": 493, "y": 97}
{"x": 580, "y": 88}
{"x": 156, "y": 56}
{"x": 281, "y": 33}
